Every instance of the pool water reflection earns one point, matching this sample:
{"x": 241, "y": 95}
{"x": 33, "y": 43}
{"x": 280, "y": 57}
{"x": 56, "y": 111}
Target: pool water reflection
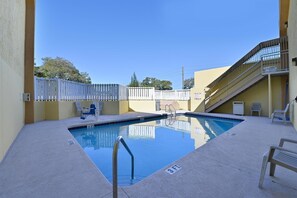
{"x": 154, "y": 144}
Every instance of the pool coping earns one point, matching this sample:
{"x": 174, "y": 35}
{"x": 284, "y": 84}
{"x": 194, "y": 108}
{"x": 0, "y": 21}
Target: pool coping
{"x": 217, "y": 115}
{"x": 138, "y": 118}
{"x": 146, "y": 118}
{"x": 41, "y": 163}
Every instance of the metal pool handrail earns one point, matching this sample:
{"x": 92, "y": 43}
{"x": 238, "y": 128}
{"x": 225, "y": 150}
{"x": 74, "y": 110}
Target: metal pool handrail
{"x": 115, "y": 164}
{"x": 170, "y": 107}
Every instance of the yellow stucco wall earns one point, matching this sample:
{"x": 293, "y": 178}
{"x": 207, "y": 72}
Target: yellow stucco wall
{"x": 67, "y": 109}
{"x": 110, "y": 108}
{"x": 54, "y": 110}
{"x": 201, "y": 80}
{"x": 12, "y": 36}
{"x": 39, "y": 111}
{"x": 177, "y": 104}
{"x": 142, "y": 105}
{"x": 292, "y": 34}
{"x": 124, "y": 107}
{"x": 256, "y": 93}
{"x": 184, "y": 104}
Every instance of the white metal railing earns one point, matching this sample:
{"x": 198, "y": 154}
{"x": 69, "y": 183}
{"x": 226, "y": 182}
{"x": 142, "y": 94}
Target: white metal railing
{"x": 63, "y": 90}
{"x": 173, "y": 94}
{"x": 275, "y": 63}
{"x": 141, "y": 93}
{"x": 149, "y": 93}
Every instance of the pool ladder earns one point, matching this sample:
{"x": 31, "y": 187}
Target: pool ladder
{"x": 170, "y": 121}
{"x": 119, "y": 140}
{"x": 170, "y": 109}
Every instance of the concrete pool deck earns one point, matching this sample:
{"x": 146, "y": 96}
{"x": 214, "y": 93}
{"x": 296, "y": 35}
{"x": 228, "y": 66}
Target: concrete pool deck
{"x": 42, "y": 162}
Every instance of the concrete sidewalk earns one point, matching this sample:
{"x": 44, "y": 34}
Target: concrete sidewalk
{"x": 43, "y": 162}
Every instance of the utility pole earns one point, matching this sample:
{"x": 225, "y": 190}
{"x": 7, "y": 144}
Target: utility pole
{"x": 183, "y": 77}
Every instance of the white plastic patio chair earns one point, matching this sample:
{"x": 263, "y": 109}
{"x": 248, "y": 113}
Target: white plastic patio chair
{"x": 99, "y": 107}
{"x": 280, "y": 156}
{"x": 81, "y": 109}
{"x": 84, "y": 112}
{"x": 280, "y": 114}
{"x": 256, "y": 107}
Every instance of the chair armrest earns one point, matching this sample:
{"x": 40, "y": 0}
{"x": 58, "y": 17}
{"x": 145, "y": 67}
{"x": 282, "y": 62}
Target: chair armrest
{"x": 283, "y": 140}
{"x": 85, "y": 109}
{"x": 279, "y": 111}
{"x": 273, "y": 148}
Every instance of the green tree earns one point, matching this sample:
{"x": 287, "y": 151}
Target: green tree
{"x": 134, "y": 82}
{"x": 158, "y": 84}
{"x": 61, "y": 68}
{"x": 149, "y": 82}
{"x": 165, "y": 85}
{"x": 188, "y": 83}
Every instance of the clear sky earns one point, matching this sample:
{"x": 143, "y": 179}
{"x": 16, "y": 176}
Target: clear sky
{"x": 111, "y": 39}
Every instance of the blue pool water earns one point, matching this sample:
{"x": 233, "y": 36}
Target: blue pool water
{"x": 154, "y": 144}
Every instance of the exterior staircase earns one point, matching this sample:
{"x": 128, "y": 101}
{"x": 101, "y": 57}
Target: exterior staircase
{"x": 267, "y": 58}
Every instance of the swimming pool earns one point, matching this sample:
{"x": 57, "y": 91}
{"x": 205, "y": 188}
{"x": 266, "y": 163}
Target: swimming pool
{"x": 155, "y": 143}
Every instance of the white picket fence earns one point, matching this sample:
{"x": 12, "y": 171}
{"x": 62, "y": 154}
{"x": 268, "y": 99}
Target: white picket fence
{"x": 141, "y": 93}
{"x": 149, "y": 93}
{"x": 63, "y": 90}
{"x": 173, "y": 94}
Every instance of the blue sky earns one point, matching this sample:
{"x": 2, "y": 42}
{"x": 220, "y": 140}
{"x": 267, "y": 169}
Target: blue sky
{"x": 111, "y": 39}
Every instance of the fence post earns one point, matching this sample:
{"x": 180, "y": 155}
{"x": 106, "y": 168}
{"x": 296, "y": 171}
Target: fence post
{"x": 118, "y": 92}
{"x": 58, "y": 89}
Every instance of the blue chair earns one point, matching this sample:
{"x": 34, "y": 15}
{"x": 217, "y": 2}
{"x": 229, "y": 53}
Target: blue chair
{"x": 91, "y": 112}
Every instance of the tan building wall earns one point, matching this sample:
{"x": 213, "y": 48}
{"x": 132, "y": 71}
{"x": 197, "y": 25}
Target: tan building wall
{"x": 142, "y": 105}
{"x": 201, "y": 80}
{"x": 114, "y": 107}
{"x": 39, "y": 111}
{"x": 124, "y": 107}
{"x": 257, "y": 93}
{"x": 177, "y": 104}
{"x": 12, "y": 36}
{"x": 54, "y": 110}
{"x": 67, "y": 109}
{"x": 292, "y": 34}
{"x": 184, "y": 104}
